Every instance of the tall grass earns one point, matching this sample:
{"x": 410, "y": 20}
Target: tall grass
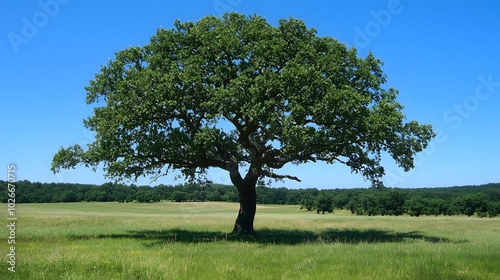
{"x": 191, "y": 241}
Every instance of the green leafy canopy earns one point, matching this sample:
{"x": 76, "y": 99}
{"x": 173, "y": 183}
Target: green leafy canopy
{"x": 236, "y": 91}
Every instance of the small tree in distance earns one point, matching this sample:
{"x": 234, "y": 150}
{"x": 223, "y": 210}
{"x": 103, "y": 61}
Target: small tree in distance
{"x": 239, "y": 94}
{"x": 324, "y": 203}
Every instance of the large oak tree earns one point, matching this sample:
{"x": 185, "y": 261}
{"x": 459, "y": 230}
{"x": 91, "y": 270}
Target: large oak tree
{"x": 239, "y": 94}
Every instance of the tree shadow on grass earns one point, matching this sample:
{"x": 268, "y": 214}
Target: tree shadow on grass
{"x": 272, "y": 236}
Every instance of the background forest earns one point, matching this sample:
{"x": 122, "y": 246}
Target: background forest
{"x": 483, "y": 201}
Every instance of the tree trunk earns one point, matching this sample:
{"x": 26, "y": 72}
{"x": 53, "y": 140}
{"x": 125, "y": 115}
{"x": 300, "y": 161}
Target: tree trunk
{"x": 248, "y": 206}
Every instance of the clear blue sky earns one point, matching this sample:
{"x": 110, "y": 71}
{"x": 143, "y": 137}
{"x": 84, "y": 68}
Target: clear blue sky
{"x": 443, "y": 56}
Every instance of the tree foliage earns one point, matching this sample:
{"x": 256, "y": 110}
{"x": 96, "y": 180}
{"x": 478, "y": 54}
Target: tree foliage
{"x": 239, "y": 91}
{"x": 324, "y": 203}
{"x": 236, "y": 92}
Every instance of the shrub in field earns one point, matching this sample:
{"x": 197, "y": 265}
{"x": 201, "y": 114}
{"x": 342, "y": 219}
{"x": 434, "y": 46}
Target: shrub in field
{"x": 324, "y": 203}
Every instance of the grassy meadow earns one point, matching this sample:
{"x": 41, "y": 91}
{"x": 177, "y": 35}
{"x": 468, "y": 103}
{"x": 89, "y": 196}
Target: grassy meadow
{"x": 190, "y": 241}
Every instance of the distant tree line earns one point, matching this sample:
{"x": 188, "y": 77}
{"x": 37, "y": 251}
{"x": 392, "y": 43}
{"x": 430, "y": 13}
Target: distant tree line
{"x": 483, "y": 201}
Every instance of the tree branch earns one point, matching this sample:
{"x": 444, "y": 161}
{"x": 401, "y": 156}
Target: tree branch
{"x": 280, "y": 177}
{"x": 244, "y": 138}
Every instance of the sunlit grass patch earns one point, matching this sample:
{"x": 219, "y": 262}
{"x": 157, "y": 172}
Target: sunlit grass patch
{"x": 193, "y": 241}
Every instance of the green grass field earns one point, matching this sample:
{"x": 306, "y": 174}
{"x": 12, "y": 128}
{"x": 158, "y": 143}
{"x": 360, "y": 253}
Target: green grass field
{"x": 191, "y": 241}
